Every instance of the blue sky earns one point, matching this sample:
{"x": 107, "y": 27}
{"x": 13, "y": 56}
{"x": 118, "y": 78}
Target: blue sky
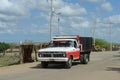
{"x": 22, "y": 20}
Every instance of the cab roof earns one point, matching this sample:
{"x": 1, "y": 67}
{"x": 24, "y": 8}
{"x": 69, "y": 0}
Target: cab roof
{"x": 67, "y": 37}
{"x": 64, "y": 39}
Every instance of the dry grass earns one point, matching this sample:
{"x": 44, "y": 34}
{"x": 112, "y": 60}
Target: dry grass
{"x": 8, "y": 60}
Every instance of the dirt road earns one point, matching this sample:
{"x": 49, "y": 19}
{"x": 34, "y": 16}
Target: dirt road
{"x": 103, "y": 66}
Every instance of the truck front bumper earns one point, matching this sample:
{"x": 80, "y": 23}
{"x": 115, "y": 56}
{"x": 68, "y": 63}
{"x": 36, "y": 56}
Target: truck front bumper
{"x": 52, "y": 59}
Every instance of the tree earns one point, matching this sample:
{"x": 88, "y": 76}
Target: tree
{"x": 3, "y": 47}
{"x": 102, "y": 43}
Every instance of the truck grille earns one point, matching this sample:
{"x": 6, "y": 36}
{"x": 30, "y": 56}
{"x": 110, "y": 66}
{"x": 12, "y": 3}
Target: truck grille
{"x": 57, "y": 55}
{"x": 53, "y": 54}
{"x": 46, "y": 55}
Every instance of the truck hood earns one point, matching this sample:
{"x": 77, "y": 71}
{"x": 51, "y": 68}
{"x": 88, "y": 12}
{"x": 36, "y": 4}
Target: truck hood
{"x": 57, "y": 49}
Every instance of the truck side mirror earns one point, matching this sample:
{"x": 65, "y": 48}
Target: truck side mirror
{"x": 80, "y": 46}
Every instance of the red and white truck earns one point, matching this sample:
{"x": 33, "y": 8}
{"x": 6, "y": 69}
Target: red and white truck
{"x": 66, "y": 49}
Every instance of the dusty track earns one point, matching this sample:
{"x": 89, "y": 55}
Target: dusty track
{"x": 103, "y": 66}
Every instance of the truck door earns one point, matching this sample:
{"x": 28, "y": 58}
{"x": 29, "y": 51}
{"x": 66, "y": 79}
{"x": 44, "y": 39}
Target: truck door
{"x": 76, "y": 50}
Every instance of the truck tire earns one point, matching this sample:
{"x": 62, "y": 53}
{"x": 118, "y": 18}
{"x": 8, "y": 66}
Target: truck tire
{"x": 68, "y": 64}
{"x": 84, "y": 58}
{"x": 44, "y": 64}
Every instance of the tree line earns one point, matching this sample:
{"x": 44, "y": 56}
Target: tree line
{"x": 100, "y": 43}
{"x": 4, "y": 46}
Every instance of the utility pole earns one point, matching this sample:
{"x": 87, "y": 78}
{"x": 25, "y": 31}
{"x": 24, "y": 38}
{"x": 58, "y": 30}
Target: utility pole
{"x": 110, "y": 32}
{"x": 58, "y": 26}
{"x": 94, "y": 30}
{"x": 58, "y": 23}
{"x": 51, "y": 19}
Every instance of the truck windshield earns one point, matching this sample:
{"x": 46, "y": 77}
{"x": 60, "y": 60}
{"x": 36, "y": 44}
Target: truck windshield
{"x": 62, "y": 44}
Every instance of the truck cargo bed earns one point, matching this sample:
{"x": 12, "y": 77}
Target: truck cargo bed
{"x": 86, "y": 44}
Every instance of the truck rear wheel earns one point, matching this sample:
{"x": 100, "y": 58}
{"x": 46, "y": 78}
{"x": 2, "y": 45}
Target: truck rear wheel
{"x": 44, "y": 64}
{"x": 84, "y": 58}
{"x": 68, "y": 64}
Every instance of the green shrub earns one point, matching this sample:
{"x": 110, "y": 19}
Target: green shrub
{"x": 3, "y": 46}
{"x": 102, "y": 43}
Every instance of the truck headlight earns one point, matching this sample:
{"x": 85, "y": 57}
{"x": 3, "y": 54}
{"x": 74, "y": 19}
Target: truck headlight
{"x": 39, "y": 54}
{"x": 64, "y": 55}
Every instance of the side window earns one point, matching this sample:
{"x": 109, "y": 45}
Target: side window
{"x": 75, "y": 45}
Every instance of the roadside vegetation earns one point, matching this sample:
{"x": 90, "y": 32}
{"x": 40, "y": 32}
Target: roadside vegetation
{"x": 7, "y": 59}
{"x": 104, "y": 45}
{"x": 3, "y": 47}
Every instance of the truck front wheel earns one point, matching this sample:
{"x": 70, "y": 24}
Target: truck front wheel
{"x": 68, "y": 64}
{"x": 44, "y": 64}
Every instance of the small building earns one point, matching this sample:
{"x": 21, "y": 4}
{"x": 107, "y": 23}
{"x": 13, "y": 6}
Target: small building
{"x": 15, "y": 50}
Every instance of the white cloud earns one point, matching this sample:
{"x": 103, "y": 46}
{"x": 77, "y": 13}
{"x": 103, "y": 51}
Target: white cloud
{"x": 39, "y": 29}
{"x": 59, "y": 3}
{"x": 10, "y": 13}
{"x": 7, "y": 27}
{"x": 79, "y": 22}
{"x": 94, "y": 1}
{"x": 8, "y": 7}
{"x": 6, "y": 18}
{"x": 72, "y": 10}
{"x": 107, "y": 6}
{"x": 114, "y": 19}
{"x": 5, "y": 4}
{"x": 85, "y": 24}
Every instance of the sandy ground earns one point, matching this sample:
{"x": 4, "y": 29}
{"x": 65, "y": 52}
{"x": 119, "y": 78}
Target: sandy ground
{"x": 103, "y": 66}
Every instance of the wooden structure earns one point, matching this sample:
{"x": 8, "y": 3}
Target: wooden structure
{"x": 26, "y": 50}
{"x": 25, "y": 53}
